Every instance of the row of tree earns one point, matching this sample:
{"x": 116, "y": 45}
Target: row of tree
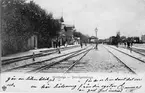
{"x": 83, "y": 38}
{"x": 21, "y": 20}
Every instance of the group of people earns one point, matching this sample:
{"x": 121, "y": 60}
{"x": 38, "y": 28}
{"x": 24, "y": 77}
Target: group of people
{"x": 96, "y": 44}
{"x": 128, "y": 44}
{"x": 81, "y": 44}
{"x": 56, "y": 43}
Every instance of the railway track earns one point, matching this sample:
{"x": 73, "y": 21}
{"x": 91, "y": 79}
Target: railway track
{"x": 136, "y": 50}
{"x": 50, "y": 62}
{"x": 43, "y": 53}
{"x": 133, "y": 64}
{"x": 121, "y": 61}
{"x": 59, "y": 62}
{"x": 129, "y": 55}
{"x": 139, "y": 51}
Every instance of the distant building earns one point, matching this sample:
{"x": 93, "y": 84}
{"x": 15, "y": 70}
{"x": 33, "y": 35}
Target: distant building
{"x": 61, "y": 33}
{"x": 143, "y": 38}
{"x": 93, "y": 39}
{"x": 66, "y": 33}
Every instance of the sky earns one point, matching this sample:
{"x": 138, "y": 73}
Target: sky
{"x": 108, "y": 16}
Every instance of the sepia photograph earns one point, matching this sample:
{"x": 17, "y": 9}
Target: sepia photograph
{"x": 73, "y": 37}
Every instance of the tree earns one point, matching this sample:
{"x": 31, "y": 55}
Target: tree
{"x": 77, "y": 34}
{"x": 13, "y": 26}
{"x": 20, "y": 20}
{"x": 84, "y": 38}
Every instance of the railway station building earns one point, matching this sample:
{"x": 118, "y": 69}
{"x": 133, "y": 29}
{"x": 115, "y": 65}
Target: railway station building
{"x": 65, "y": 35}
{"x": 69, "y": 33}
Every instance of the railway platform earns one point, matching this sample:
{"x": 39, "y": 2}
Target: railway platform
{"x": 132, "y": 60}
{"x": 131, "y": 53}
{"x": 139, "y": 46}
{"x": 30, "y": 52}
{"x": 142, "y": 48}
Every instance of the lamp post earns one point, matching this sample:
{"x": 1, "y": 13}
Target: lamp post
{"x": 96, "y": 30}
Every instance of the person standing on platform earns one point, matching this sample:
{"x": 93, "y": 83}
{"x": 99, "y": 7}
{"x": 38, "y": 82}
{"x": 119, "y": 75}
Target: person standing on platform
{"x": 125, "y": 44}
{"x": 128, "y": 44}
{"x": 96, "y": 45}
{"x": 131, "y": 43}
{"x": 58, "y": 46}
{"x": 81, "y": 44}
